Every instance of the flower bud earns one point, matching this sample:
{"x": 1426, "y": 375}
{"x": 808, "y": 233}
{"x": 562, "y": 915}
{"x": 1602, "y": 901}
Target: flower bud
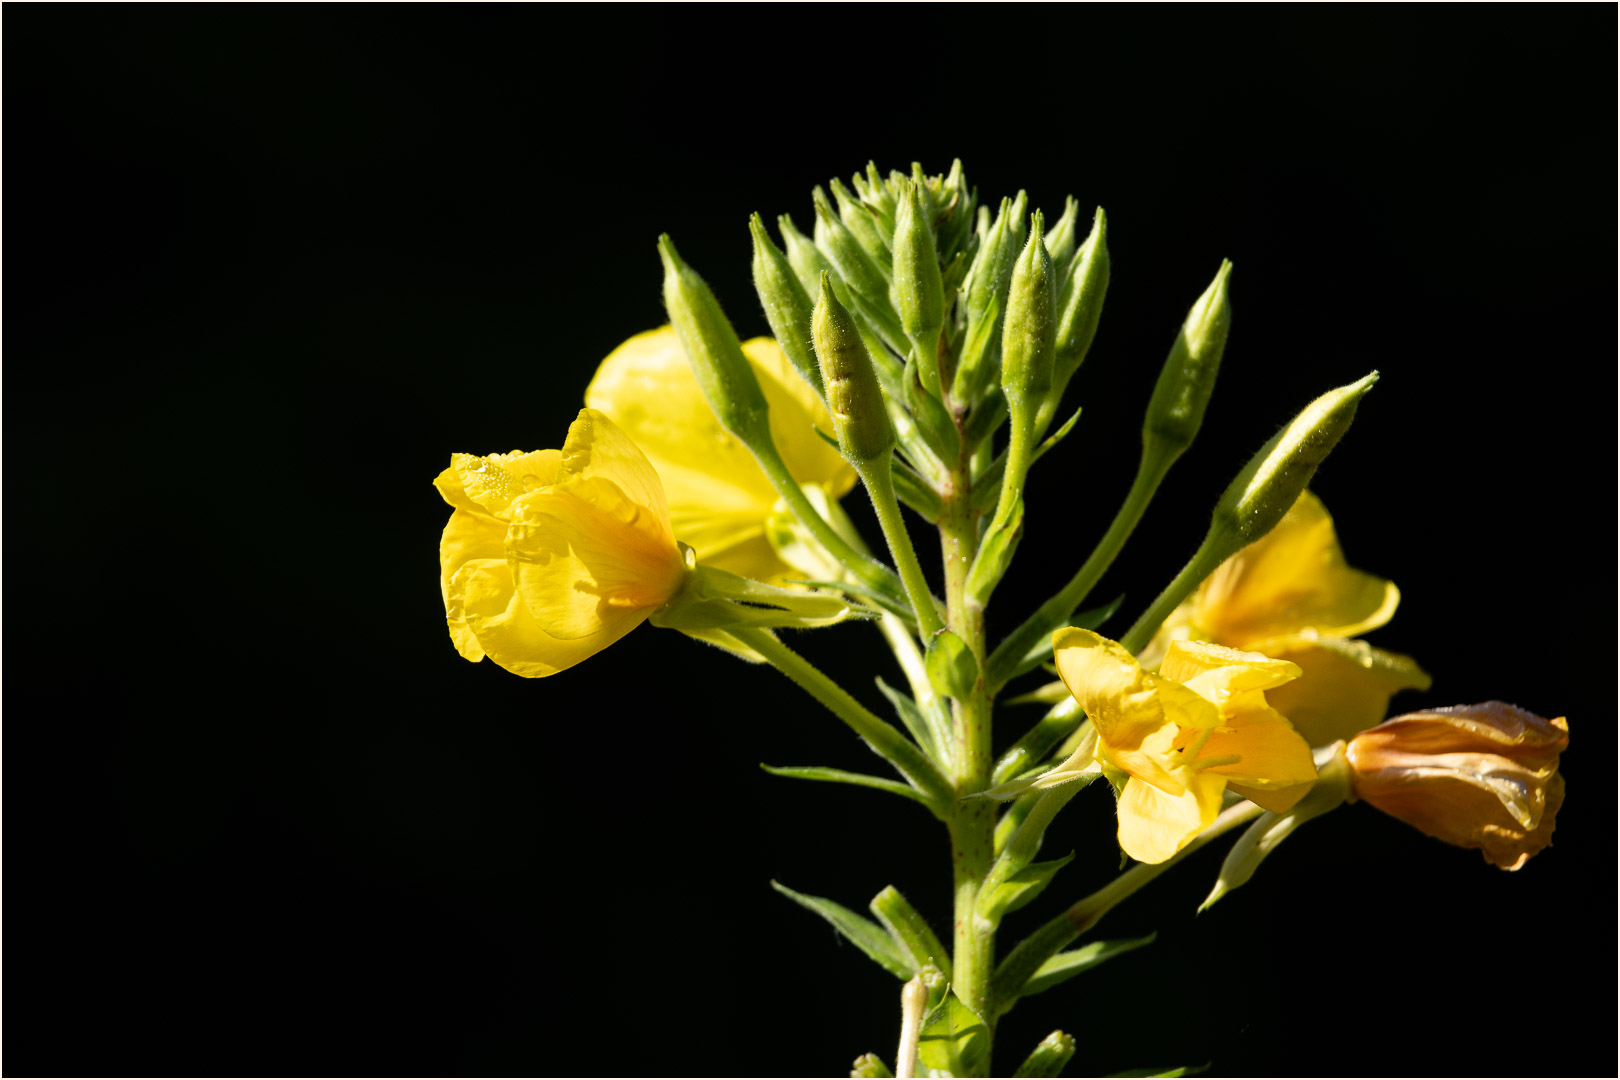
{"x": 1049, "y": 1056}
{"x": 1030, "y": 329}
{"x": 853, "y": 396}
{"x": 1080, "y": 303}
{"x": 723, "y": 372}
{"x": 985, "y": 291}
{"x": 787, "y": 305}
{"x": 867, "y": 280}
{"x": 860, "y": 223}
{"x": 1274, "y": 478}
{"x": 1480, "y": 776}
{"x": 802, "y": 254}
{"x": 918, "y": 291}
{"x": 1187, "y": 379}
{"x": 1060, "y": 238}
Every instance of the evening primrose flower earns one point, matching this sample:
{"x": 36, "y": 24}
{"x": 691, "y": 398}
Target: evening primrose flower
{"x": 554, "y": 555}
{"x": 1292, "y": 596}
{"x": 1480, "y": 776}
{"x": 719, "y": 501}
{"x": 1184, "y": 735}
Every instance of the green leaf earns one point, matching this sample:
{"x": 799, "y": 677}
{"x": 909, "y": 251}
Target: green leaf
{"x": 935, "y": 423}
{"x": 995, "y": 555}
{"x": 1056, "y": 437}
{"x": 954, "y": 1038}
{"x": 867, "y": 935}
{"x": 1022, "y": 887}
{"x": 1066, "y": 965}
{"x": 951, "y": 667}
{"x": 1089, "y": 619}
{"x": 839, "y": 776}
{"x": 911, "y": 716}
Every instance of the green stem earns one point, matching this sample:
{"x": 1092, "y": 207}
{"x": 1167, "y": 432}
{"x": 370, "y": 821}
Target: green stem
{"x": 1199, "y": 567}
{"x": 1020, "y": 441}
{"x": 972, "y": 825}
{"x": 871, "y": 573}
{"x": 879, "y": 480}
{"x": 1082, "y": 916}
{"x": 879, "y": 734}
{"x": 1056, "y": 611}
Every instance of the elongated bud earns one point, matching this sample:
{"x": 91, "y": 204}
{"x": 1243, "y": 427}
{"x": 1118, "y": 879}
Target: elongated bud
{"x": 1187, "y": 379}
{"x": 723, "y": 372}
{"x": 1263, "y": 492}
{"x": 1048, "y": 1057}
{"x": 918, "y": 291}
{"x": 865, "y": 277}
{"x": 1080, "y": 304}
{"x": 1060, "y": 238}
{"x": 1030, "y": 330}
{"x": 787, "y": 305}
{"x": 802, "y": 254}
{"x": 853, "y": 396}
{"x": 986, "y": 294}
{"x": 860, "y": 223}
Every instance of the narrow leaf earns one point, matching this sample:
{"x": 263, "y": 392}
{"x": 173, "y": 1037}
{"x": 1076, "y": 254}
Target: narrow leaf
{"x": 1185, "y": 1070}
{"x": 1066, "y": 965}
{"x": 1024, "y": 886}
{"x": 1089, "y": 619}
{"x": 911, "y": 716}
{"x": 839, "y": 776}
{"x": 867, "y": 935}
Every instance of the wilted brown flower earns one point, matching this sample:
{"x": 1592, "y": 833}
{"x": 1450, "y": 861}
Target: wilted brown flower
{"x": 1481, "y": 776}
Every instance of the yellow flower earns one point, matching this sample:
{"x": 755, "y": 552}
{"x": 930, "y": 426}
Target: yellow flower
{"x": 1183, "y": 736}
{"x": 554, "y": 555}
{"x": 1292, "y": 596}
{"x": 719, "y": 501}
{"x": 1480, "y": 776}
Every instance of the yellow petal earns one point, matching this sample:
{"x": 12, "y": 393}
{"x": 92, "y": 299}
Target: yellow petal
{"x": 602, "y": 466}
{"x": 1218, "y": 673}
{"x": 1345, "y": 686}
{"x": 795, "y": 413}
{"x": 1126, "y": 704}
{"x": 1154, "y": 826}
{"x": 489, "y": 483}
{"x": 494, "y": 616}
{"x": 469, "y": 535}
{"x": 1274, "y": 767}
{"x": 1293, "y": 579}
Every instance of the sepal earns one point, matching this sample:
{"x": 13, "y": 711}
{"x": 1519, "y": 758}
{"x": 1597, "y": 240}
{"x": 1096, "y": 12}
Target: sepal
{"x": 711, "y": 599}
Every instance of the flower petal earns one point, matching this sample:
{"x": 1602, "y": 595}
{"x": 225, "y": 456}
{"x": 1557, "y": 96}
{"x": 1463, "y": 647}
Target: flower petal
{"x": 1218, "y": 673}
{"x": 1274, "y": 767}
{"x": 796, "y": 412}
{"x": 1293, "y": 579}
{"x": 1125, "y": 703}
{"x": 494, "y": 615}
{"x": 1154, "y": 826}
{"x": 489, "y": 483}
{"x": 1344, "y": 688}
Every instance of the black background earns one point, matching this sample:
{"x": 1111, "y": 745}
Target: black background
{"x": 270, "y": 266}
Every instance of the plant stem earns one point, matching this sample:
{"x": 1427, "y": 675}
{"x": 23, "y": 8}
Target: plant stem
{"x": 871, "y": 573}
{"x": 1199, "y": 567}
{"x": 879, "y": 480}
{"x": 882, "y": 736}
{"x": 1056, "y": 611}
{"x": 972, "y": 823}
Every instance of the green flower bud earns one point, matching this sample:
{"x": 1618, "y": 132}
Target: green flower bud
{"x": 1060, "y": 238}
{"x": 861, "y": 223}
{"x": 958, "y": 209}
{"x": 869, "y": 1066}
{"x": 1030, "y": 327}
{"x": 802, "y": 254}
{"x": 1080, "y": 304}
{"x": 918, "y": 290}
{"x": 860, "y": 420}
{"x": 867, "y": 282}
{"x": 723, "y": 372}
{"x": 986, "y": 294}
{"x": 1187, "y": 379}
{"x": 1272, "y": 481}
{"x": 1048, "y": 1057}
{"x": 787, "y": 305}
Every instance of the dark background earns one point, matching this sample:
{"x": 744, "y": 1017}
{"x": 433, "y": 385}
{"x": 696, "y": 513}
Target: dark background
{"x": 270, "y": 266}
